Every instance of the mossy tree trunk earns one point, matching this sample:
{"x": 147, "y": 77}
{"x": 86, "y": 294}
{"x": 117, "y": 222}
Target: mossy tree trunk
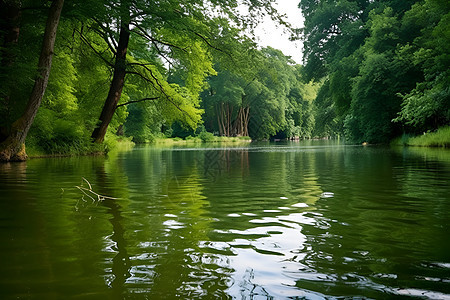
{"x": 12, "y": 147}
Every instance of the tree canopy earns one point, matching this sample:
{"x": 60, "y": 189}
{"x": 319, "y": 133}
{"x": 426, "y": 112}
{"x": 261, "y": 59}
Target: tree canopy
{"x": 383, "y": 63}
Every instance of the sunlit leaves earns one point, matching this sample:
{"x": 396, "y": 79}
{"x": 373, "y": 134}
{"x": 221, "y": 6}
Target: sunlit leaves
{"x": 176, "y": 102}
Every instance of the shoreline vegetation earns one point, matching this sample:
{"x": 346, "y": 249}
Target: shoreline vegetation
{"x": 438, "y": 139}
{"x": 112, "y": 145}
{"x": 78, "y": 88}
{"x": 202, "y": 139}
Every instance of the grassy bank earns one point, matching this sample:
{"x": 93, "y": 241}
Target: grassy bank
{"x": 114, "y": 144}
{"x": 209, "y": 138}
{"x": 440, "y": 138}
{"x": 111, "y": 145}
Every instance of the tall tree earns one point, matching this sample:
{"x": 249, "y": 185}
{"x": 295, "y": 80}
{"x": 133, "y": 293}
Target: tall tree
{"x": 182, "y": 33}
{"x": 118, "y": 80}
{"x": 13, "y": 147}
{"x": 224, "y": 105}
{"x": 333, "y": 30}
{"x": 427, "y": 105}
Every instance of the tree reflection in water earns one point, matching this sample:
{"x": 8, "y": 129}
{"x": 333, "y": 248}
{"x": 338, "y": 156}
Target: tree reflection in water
{"x": 121, "y": 261}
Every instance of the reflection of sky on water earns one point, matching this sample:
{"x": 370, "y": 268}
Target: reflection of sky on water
{"x": 260, "y": 264}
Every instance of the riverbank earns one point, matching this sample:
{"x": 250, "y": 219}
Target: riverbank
{"x": 440, "y": 138}
{"x": 203, "y": 139}
{"x": 110, "y": 146}
{"x": 114, "y": 145}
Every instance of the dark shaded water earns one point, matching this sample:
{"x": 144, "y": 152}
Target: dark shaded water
{"x": 261, "y": 221}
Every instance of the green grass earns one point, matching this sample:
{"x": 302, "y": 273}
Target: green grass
{"x": 112, "y": 145}
{"x": 118, "y": 144}
{"x": 440, "y": 138}
{"x": 62, "y": 149}
{"x": 203, "y": 138}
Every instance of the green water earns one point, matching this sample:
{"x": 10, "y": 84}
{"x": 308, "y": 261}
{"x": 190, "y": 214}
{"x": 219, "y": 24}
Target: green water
{"x": 312, "y": 220}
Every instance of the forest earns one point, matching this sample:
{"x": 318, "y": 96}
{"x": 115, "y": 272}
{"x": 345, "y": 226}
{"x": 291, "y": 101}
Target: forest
{"x": 78, "y": 76}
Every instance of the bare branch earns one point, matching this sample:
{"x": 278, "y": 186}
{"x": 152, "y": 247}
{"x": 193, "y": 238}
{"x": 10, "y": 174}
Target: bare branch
{"x": 136, "y": 101}
{"x": 90, "y": 187}
{"x": 90, "y": 193}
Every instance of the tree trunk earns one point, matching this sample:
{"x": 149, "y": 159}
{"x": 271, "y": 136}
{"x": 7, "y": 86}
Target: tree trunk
{"x": 12, "y": 148}
{"x": 117, "y": 83}
{"x": 246, "y": 120}
{"x": 221, "y": 119}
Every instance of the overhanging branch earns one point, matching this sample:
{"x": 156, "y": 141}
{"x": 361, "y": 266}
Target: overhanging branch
{"x": 105, "y": 34}
{"x": 144, "y": 34}
{"x": 136, "y": 101}
{"x": 85, "y": 40}
{"x": 157, "y": 85}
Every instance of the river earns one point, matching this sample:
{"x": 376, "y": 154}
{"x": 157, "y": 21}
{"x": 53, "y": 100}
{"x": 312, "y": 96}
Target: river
{"x": 309, "y": 220}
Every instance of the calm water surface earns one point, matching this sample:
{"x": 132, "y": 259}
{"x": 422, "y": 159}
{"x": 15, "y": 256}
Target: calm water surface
{"x": 311, "y": 220}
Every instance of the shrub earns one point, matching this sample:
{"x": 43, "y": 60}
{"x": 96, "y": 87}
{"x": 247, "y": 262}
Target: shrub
{"x": 206, "y": 136}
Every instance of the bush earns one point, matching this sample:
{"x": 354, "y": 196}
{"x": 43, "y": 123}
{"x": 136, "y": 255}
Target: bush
{"x": 52, "y": 135}
{"x": 193, "y": 139}
{"x": 206, "y": 136}
{"x": 245, "y": 138}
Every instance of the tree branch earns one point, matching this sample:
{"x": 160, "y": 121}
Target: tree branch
{"x": 85, "y": 40}
{"x": 161, "y": 89}
{"x": 25, "y": 8}
{"x": 136, "y": 101}
{"x": 210, "y": 45}
{"x": 206, "y": 41}
{"x": 105, "y": 34}
{"x": 160, "y": 52}
{"x": 144, "y": 34}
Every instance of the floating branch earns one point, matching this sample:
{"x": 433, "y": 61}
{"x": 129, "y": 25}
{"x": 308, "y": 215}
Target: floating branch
{"x": 91, "y": 194}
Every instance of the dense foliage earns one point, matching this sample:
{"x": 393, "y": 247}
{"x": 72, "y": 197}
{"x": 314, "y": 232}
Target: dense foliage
{"x": 373, "y": 70}
{"x": 272, "y": 100}
{"x": 108, "y": 55}
{"x": 385, "y": 66}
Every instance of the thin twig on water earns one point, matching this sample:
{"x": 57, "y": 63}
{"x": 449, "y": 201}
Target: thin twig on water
{"x": 91, "y": 194}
